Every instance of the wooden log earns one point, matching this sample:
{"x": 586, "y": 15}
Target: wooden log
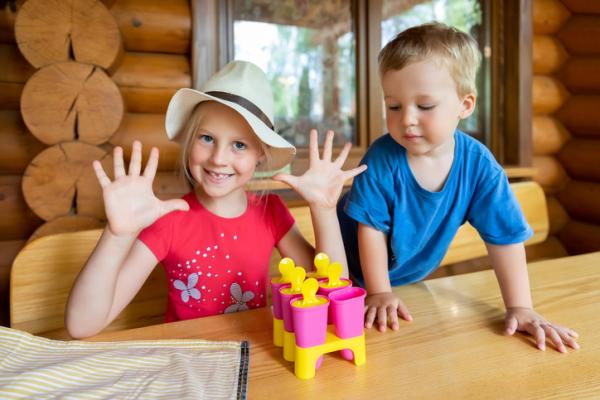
{"x": 49, "y": 31}
{"x": 578, "y": 33}
{"x": 582, "y": 200}
{"x": 548, "y": 55}
{"x": 580, "y": 159}
{"x": 548, "y": 94}
{"x": 10, "y": 95}
{"x": 548, "y": 135}
{"x": 582, "y": 6}
{"x": 170, "y": 185}
{"x": 18, "y": 222}
{"x": 557, "y": 216}
{"x": 60, "y": 181}
{"x": 581, "y": 75}
{"x": 17, "y": 146}
{"x": 550, "y": 248}
{"x": 8, "y": 251}
{"x": 69, "y": 223}
{"x": 13, "y": 68}
{"x": 148, "y": 80}
{"x": 150, "y": 130}
{"x": 578, "y": 116}
{"x": 549, "y": 173}
{"x": 154, "y": 25}
{"x": 580, "y": 237}
{"x": 548, "y": 16}
{"x": 71, "y": 101}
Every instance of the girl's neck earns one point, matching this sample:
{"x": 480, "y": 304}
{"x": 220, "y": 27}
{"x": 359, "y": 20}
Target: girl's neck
{"x": 232, "y": 205}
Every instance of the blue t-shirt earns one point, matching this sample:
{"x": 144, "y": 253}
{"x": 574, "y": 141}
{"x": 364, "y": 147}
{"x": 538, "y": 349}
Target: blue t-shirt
{"x": 419, "y": 224}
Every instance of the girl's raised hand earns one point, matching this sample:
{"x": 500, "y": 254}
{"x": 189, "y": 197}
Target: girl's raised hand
{"x": 129, "y": 201}
{"x": 321, "y": 185}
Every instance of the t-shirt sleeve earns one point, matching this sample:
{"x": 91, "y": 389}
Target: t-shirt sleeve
{"x": 496, "y": 213}
{"x": 368, "y": 201}
{"x": 282, "y": 219}
{"x": 157, "y": 237}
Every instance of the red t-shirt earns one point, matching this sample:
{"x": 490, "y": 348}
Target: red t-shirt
{"x": 217, "y": 265}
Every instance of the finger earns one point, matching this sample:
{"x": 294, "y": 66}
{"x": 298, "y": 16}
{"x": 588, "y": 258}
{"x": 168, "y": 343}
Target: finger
{"x": 313, "y": 147}
{"x": 118, "y": 162}
{"x": 288, "y": 179}
{"x": 381, "y": 319}
{"x": 328, "y": 146}
{"x": 393, "y": 317}
{"x": 103, "y": 179}
{"x": 353, "y": 172}
{"x": 370, "y": 317}
{"x": 341, "y": 158}
{"x": 403, "y": 312}
{"x": 135, "y": 163}
{"x": 174, "y": 205}
{"x": 538, "y": 334}
{"x": 511, "y": 325}
{"x": 152, "y": 165}
{"x": 554, "y": 338}
{"x": 567, "y": 338}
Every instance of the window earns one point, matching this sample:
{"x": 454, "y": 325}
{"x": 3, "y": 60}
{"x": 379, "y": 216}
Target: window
{"x": 321, "y": 58}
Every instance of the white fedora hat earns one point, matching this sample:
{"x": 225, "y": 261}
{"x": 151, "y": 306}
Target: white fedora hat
{"x": 243, "y": 87}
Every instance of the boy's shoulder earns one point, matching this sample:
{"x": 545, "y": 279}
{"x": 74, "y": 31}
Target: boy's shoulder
{"x": 476, "y": 154}
{"x": 384, "y": 150}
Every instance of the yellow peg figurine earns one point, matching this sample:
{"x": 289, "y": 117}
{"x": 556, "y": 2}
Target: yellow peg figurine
{"x": 333, "y": 274}
{"x": 286, "y": 266}
{"x": 297, "y": 276}
{"x": 309, "y": 291}
{"x": 321, "y": 263}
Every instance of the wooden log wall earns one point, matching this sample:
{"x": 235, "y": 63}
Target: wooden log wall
{"x": 151, "y": 63}
{"x": 566, "y": 128}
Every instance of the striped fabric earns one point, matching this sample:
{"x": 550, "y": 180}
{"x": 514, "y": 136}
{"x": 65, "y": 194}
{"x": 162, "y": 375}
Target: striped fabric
{"x": 39, "y": 368}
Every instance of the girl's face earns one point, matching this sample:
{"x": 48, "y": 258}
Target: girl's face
{"x": 224, "y": 153}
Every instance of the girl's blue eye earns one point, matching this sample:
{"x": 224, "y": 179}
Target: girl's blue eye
{"x": 239, "y": 146}
{"x": 427, "y": 107}
{"x": 206, "y": 138}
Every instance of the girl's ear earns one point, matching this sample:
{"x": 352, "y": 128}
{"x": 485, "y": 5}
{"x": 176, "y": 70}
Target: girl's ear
{"x": 468, "y": 105}
{"x": 261, "y": 160}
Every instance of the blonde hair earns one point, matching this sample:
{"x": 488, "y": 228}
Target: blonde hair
{"x": 190, "y": 133}
{"x": 452, "y": 48}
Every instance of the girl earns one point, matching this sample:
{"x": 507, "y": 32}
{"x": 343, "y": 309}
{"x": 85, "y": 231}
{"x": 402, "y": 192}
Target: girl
{"x": 214, "y": 243}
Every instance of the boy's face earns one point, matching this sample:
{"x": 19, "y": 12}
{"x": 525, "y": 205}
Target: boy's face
{"x": 423, "y": 107}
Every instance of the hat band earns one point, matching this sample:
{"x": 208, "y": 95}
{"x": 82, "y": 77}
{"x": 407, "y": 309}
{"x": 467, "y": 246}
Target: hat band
{"x": 247, "y": 104}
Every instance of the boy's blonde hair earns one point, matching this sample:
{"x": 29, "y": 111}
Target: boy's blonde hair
{"x": 190, "y": 133}
{"x": 452, "y": 48}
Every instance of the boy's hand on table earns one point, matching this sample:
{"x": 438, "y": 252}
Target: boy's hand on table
{"x": 525, "y": 319}
{"x": 381, "y": 307}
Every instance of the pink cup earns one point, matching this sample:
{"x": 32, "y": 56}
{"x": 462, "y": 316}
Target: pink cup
{"x": 310, "y": 323}
{"x": 325, "y": 291}
{"x": 276, "y": 297}
{"x": 348, "y": 309}
{"x": 286, "y": 312}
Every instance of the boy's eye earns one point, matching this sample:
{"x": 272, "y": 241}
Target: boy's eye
{"x": 427, "y": 107}
{"x": 393, "y": 108}
{"x": 206, "y": 138}
{"x": 239, "y": 146}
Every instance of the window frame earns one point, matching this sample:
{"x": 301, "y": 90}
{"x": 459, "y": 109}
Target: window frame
{"x": 509, "y": 83}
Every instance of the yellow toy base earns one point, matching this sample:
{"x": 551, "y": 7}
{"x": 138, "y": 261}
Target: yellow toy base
{"x": 289, "y": 346}
{"x": 277, "y": 332}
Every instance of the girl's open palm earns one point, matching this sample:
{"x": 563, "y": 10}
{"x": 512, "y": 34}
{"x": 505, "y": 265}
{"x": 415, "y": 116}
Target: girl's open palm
{"x": 321, "y": 185}
{"x": 129, "y": 201}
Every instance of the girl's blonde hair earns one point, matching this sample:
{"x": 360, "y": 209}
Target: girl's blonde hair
{"x": 190, "y": 132}
{"x": 452, "y": 48}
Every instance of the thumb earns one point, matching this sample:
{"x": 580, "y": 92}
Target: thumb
{"x": 288, "y": 179}
{"x": 511, "y": 325}
{"x": 174, "y": 205}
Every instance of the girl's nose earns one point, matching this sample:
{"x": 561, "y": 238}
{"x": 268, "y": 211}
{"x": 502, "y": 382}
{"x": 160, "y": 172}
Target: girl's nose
{"x": 219, "y": 155}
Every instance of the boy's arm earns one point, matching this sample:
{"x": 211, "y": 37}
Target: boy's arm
{"x": 381, "y": 303}
{"x": 510, "y": 266}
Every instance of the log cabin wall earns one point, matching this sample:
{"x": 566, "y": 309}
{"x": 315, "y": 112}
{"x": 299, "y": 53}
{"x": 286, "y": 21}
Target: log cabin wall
{"x": 154, "y": 64}
{"x": 566, "y": 127}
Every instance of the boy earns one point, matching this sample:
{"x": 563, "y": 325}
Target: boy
{"x": 426, "y": 178}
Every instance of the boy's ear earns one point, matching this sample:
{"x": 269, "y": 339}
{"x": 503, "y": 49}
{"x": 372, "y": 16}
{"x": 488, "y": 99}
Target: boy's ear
{"x": 468, "y": 105}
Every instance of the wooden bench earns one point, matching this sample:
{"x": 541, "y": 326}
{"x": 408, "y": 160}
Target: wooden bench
{"x": 44, "y": 271}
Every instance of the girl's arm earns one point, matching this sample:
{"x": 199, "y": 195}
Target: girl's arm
{"x": 510, "y": 266}
{"x": 119, "y": 264}
{"x": 381, "y": 304}
{"x": 321, "y": 186}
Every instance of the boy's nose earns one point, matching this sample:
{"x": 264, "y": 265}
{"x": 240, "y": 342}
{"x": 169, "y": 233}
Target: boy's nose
{"x": 409, "y": 116}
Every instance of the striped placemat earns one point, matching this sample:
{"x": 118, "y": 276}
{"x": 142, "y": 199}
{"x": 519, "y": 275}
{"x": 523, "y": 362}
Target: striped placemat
{"x": 39, "y": 368}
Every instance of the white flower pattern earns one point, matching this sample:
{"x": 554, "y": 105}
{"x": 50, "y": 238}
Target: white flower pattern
{"x": 188, "y": 290}
{"x": 240, "y": 299}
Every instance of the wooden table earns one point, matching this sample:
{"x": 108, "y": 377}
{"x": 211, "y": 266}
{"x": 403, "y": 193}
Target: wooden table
{"x": 454, "y": 348}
